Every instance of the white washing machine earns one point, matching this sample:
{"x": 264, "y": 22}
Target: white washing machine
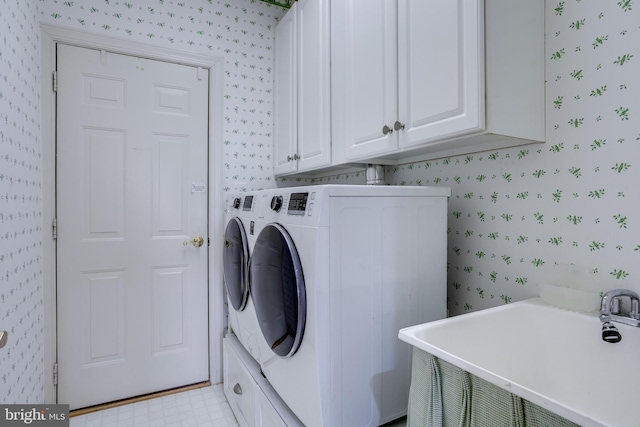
{"x": 238, "y": 245}
{"x": 252, "y": 399}
{"x": 336, "y": 271}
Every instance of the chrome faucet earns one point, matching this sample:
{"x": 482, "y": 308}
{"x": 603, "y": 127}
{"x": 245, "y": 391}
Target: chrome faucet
{"x": 611, "y": 307}
{"x": 611, "y": 311}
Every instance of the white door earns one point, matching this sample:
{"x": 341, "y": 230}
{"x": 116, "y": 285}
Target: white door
{"x": 441, "y": 69}
{"x": 131, "y": 173}
{"x": 363, "y": 76}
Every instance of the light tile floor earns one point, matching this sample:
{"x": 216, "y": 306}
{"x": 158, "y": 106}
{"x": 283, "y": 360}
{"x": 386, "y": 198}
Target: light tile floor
{"x": 203, "y": 407}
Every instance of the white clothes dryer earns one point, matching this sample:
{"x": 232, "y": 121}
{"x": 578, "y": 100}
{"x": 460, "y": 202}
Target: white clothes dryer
{"x": 238, "y": 245}
{"x": 336, "y": 271}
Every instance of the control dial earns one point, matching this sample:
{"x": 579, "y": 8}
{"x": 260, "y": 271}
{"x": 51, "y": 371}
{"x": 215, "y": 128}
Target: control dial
{"x": 276, "y": 203}
{"x": 236, "y": 203}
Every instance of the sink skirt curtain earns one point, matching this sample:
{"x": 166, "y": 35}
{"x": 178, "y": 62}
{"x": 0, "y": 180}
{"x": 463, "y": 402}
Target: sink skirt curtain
{"x": 443, "y": 395}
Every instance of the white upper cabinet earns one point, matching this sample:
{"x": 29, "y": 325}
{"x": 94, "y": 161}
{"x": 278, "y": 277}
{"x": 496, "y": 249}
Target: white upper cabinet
{"x": 433, "y": 78}
{"x": 285, "y": 95}
{"x": 364, "y": 90}
{"x": 302, "y": 136}
{"x": 440, "y": 70}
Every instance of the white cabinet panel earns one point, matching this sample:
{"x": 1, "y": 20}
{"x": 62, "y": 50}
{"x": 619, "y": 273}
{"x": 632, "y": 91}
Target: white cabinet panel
{"x": 286, "y": 95}
{"x": 440, "y": 69}
{"x": 314, "y": 126}
{"x": 253, "y": 400}
{"x": 302, "y": 89}
{"x": 266, "y": 414}
{"x": 239, "y": 386}
{"x": 363, "y": 67}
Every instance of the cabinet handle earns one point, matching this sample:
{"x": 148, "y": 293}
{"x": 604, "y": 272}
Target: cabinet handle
{"x": 296, "y": 157}
{"x": 289, "y": 158}
{"x": 237, "y": 389}
{"x": 386, "y": 130}
{"x": 398, "y": 126}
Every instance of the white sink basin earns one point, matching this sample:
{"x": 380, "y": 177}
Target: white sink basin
{"x": 552, "y": 357}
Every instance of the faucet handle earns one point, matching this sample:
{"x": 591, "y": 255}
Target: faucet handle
{"x": 616, "y": 305}
{"x": 635, "y": 309}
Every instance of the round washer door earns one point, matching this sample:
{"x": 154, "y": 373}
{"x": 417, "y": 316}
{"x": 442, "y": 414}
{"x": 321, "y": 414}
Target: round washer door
{"x": 235, "y": 262}
{"x": 278, "y": 291}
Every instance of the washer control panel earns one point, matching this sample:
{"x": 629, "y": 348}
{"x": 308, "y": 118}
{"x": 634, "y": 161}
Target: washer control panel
{"x": 278, "y": 205}
{"x": 297, "y": 203}
{"x": 248, "y": 203}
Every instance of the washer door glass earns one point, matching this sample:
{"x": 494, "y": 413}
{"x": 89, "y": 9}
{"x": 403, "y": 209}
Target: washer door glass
{"x": 235, "y": 259}
{"x": 277, "y": 290}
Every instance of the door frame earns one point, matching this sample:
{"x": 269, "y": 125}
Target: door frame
{"x": 51, "y": 36}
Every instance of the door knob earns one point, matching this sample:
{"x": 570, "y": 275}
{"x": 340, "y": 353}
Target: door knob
{"x": 386, "y": 130}
{"x": 398, "y": 126}
{"x": 196, "y": 241}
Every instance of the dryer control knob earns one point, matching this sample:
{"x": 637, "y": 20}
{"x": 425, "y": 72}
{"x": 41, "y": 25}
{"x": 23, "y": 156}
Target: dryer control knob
{"x": 276, "y": 203}
{"x": 236, "y": 203}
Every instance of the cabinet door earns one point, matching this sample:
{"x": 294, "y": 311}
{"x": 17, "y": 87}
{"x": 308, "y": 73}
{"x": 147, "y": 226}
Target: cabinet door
{"x": 266, "y": 414}
{"x": 285, "y": 98}
{"x": 239, "y": 386}
{"x": 441, "y": 69}
{"x": 314, "y": 120}
{"x": 363, "y": 76}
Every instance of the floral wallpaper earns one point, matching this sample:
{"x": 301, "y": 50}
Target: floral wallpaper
{"x": 240, "y": 31}
{"x": 21, "y": 292}
{"x": 514, "y": 213}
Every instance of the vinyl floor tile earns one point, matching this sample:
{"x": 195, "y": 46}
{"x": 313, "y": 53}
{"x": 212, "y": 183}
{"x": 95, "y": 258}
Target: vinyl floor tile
{"x": 202, "y": 407}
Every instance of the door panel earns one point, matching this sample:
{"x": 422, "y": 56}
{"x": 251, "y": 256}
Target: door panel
{"x": 104, "y": 313}
{"x": 170, "y": 178}
{"x": 104, "y": 182}
{"x": 132, "y": 298}
{"x": 168, "y": 309}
